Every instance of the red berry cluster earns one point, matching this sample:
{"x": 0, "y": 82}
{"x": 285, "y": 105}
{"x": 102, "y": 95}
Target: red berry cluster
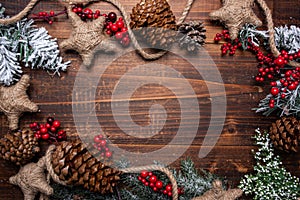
{"x": 49, "y": 131}
{"x": 230, "y": 46}
{"x": 48, "y": 17}
{"x": 151, "y": 180}
{"x": 100, "y": 144}
{"x": 113, "y": 27}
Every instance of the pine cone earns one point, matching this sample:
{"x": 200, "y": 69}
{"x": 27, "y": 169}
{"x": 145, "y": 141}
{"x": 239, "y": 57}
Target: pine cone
{"x": 285, "y": 134}
{"x": 19, "y": 147}
{"x": 192, "y": 35}
{"x": 158, "y": 17}
{"x": 75, "y": 165}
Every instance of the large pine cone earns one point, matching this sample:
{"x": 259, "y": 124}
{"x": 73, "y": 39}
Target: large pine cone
{"x": 19, "y": 147}
{"x": 192, "y": 35}
{"x": 285, "y": 134}
{"x": 75, "y": 165}
{"x": 158, "y": 17}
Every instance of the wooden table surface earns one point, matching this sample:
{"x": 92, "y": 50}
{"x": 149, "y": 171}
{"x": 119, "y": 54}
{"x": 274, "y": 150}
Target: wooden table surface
{"x": 231, "y": 156}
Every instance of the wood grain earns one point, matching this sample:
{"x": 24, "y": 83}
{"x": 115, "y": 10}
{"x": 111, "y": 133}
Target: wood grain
{"x": 230, "y": 158}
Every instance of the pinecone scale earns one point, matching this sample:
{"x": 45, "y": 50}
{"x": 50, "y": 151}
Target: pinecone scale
{"x": 285, "y": 134}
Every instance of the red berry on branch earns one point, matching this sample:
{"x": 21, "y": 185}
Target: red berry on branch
{"x": 45, "y": 136}
{"x": 150, "y": 174}
{"x": 279, "y": 61}
{"x": 56, "y": 124}
{"x": 153, "y": 179}
{"x": 112, "y": 16}
{"x": 169, "y": 194}
{"x": 292, "y": 86}
{"x": 97, "y": 139}
{"x": 103, "y": 143}
{"x": 120, "y": 24}
{"x": 119, "y": 35}
{"x": 38, "y": 136}
{"x": 169, "y": 187}
{"x": 271, "y": 105}
{"x": 53, "y": 129}
{"x": 144, "y": 174}
{"x": 159, "y": 184}
{"x": 154, "y": 189}
{"x": 151, "y": 185}
{"x": 274, "y": 91}
{"x": 165, "y": 192}
{"x": 51, "y": 13}
{"x": 282, "y": 96}
{"x": 108, "y": 154}
{"x": 44, "y": 130}
{"x": 139, "y": 178}
{"x": 47, "y": 125}
{"x": 114, "y": 28}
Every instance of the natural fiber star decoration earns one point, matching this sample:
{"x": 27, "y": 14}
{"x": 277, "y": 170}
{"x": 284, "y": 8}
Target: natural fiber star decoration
{"x": 218, "y": 193}
{"x": 236, "y": 13}
{"x": 87, "y": 38}
{"x": 14, "y": 101}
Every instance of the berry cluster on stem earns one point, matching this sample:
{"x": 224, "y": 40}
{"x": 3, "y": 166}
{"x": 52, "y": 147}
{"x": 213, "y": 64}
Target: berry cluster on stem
{"x": 48, "y": 17}
{"x": 113, "y": 27}
{"x": 149, "y": 179}
{"x": 100, "y": 143}
{"x": 49, "y": 131}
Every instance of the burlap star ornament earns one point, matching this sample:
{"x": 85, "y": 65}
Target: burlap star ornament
{"x": 218, "y": 193}
{"x": 14, "y": 101}
{"x": 235, "y": 14}
{"x": 87, "y": 38}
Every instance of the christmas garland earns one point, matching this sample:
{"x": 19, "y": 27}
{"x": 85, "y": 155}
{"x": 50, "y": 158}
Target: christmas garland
{"x": 23, "y": 43}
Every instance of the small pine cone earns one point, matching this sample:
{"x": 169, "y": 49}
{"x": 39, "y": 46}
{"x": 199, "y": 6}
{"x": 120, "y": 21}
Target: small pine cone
{"x": 192, "y": 35}
{"x": 19, "y": 147}
{"x": 285, "y": 134}
{"x": 75, "y": 165}
{"x": 158, "y": 17}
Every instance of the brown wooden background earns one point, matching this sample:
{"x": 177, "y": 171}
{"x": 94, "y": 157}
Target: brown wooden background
{"x": 230, "y": 158}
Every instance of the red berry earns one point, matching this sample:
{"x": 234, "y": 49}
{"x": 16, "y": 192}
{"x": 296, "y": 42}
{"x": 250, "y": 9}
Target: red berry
{"x": 169, "y": 194}
{"x": 75, "y": 10}
{"x": 87, "y": 11}
{"x": 38, "y": 136}
{"x": 139, "y": 178}
{"x": 48, "y": 126}
{"x": 56, "y": 123}
{"x": 50, "y": 120}
{"x": 108, "y": 154}
{"x": 114, "y": 28}
{"x": 146, "y": 183}
{"x": 79, "y": 9}
{"x": 108, "y": 32}
{"x": 292, "y": 86}
{"x": 51, "y": 13}
{"x": 144, "y": 174}
{"x": 274, "y": 91}
{"x": 279, "y": 61}
{"x": 154, "y": 189}
{"x": 119, "y": 35}
{"x": 97, "y": 12}
{"x": 97, "y": 139}
{"x": 103, "y": 143}
{"x": 45, "y": 136}
{"x": 90, "y": 16}
{"x": 282, "y": 96}
{"x": 150, "y": 174}
{"x": 169, "y": 187}
{"x": 165, "y": 192}
{"x": 120, "y": 24}
{"x": 125, "y": 42}
{"x": 153, "y": 179}
{"x": 124, "y": 29}
{"x": 273, "y": 83}
{"x": 159, "y": 184}
{"x": 42, "y": 126}
{"x": 53, "y": 129}
{"x": 151, "y": 185}
{"x": 44, "y": 130}
{"x": 144, "y": 180}
{"x": 112, "y": 16}
{"x": 271, "y": 105}
{"x": 96, "y": 16}
{"x": 61, "y": 132}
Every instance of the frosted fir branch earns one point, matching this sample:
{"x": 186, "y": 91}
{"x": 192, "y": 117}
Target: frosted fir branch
{"x": 286, "y": 38}
{"x": 10, "y": 69}
{"x": 290, "y": 105}
{"x": 270, "y": 180}
{"x": 29, "y": 45}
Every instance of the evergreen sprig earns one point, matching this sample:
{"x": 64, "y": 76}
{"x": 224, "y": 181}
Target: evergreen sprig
{"x": 23, "y": 42}
{"x": 270, "y": 180}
